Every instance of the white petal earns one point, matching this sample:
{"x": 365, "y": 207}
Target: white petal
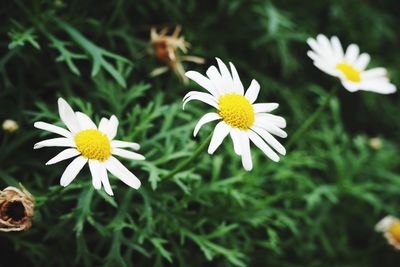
{"x": 121, "y": 172}
{"x": 202, "y": 81}
{"x": 270, "y": 140}
{"x": 103, "y": 125}
{"x": 314, "y": 56}
{"x": 72, "y": 170}
{"x": 237, "y": 83}
{"x": 216, "y": 79}
{"x": 127, "y": 154}
{"x": 104, "y": 179}
{"x": 252, "y": 92}
{"x": 84, "y": 121}
{"x": 325, "y": 68}
{"x": 203, "y": 97}
{"x": 352, "y": 53}
{"x": 314, "y": 46}
{"x": 63, "y": 155}
{"x": 245, "y": 151}
{"x": 362, "y": 61}
{"x": 271, "y": 128}
{"x": 325, "y": 46}
{"x": 67, "y": 116}
{"x": 265, "y": 107}
{"x": 235, "y": 135}
{"x": 94, "y": 167}
{"x": 220, "y": 132}
{"x": 52, "y": 128}
{"x": 351, "y": 86}
{"x": 263, "y": 146}
{"x": 269, "y": 118}
{"x": 123, "y": 144}
{"x": 112, "y": 127}
{"x": 373, "y": 73}
{"x": 226, "y": 75}
{"x": 212, "y": 116}
{"x": 378, "y": 87}
{"x": 337, "y": 48}
{"x": 57, "y": 142}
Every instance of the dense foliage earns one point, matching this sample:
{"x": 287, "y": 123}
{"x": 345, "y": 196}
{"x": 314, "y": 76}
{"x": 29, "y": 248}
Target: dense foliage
{"x": 317, "y": 207}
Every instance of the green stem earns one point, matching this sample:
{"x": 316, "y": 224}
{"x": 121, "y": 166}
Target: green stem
{"x": 310, "y": 119}
{"x": 184, "y": 164}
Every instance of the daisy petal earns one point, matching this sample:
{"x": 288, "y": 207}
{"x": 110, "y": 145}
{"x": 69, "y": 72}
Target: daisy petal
{"x": 216, "y": 79}
{"x": 203, "y": 97}
{"x": 103, "y": 125}
{"x": 352, "y": 53}
{"x": 269, "y": 118}
{"x": 127, "y": 154}
{"x": 226, "y": 75}
{"x": 121, "y": 172}
{"x": 123, "y": 144}
{"x": 72, "y": 170}
{"x": 63, "y": 155}
{"x": 263, "y": 146}
{"x": 270, "y": 128}
{"x": 373, "y": 73}
{"x": 104, "y": 179}
{"x": 378, "y": 87}
{"x": 235, "y": 135}
{"x": 57, "y": 142}
{"x": 84, "y": 121}
{"x": 67, "y": 116}
{"x": 52, "y": 128}
{"x": 270, "y": 140}
{"x": 245, "y": 151}
{"x": 220, "y": 132}
{"x": 337, "y": 48}
{"x": 237, "y": 83}
{"x": 212, "y": 116}
{"x": 265, "y": 107}
{"x": 94, "y": 166}
{"x": 252, "y": 92}
{"x": 202, "y": 81}
{"x": 362, "y": 61}
{"x": 112, "y": 127}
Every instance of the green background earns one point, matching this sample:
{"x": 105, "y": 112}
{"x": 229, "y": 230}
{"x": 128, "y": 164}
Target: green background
{"x": 317, "y": 207}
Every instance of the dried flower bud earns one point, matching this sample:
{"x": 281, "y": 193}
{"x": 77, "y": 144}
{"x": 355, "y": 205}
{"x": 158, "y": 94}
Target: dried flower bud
{"x": 16, "y": 209}
{"x": 375, "y": 143}
{"x": 10, "y": 126}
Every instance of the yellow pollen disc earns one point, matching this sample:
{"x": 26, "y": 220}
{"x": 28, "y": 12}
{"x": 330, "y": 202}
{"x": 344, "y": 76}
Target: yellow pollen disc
{"x": 351, "y": 73}
{"x": 394, "y": 231}
{"x": 93, "y": 144}
{"x": 236, "y": 111}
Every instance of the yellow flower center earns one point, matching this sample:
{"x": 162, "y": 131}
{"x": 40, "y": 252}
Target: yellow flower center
{"x": 93, "y": 144}
{"x": 349, "y": 71}
{"x": 236, "y": 111}
{"x": 394, "y": 231}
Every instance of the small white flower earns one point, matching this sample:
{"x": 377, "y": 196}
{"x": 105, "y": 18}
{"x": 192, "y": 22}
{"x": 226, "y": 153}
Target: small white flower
{"x": 390, "y": 227}
{"x": 91, "y": 145}
{"x": 349, "y": 67}
{"x": 239, "y": 117}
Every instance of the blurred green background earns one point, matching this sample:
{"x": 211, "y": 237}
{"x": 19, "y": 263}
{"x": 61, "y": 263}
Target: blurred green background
{"x": 317, "y": 207}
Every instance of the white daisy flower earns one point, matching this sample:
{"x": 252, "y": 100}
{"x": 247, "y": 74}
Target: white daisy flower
{"x": 349, "y": 67}
{"x": 390, "y": 227}
{"x": 91, "y": 145}
{"x": 239, "y": 117}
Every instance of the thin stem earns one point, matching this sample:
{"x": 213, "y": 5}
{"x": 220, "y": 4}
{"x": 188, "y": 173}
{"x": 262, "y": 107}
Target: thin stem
{"x": 311, "y": 119}
{"x": 186, "y": 163}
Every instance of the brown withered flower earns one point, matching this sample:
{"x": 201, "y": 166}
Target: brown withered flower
{"x": 168, "y": 48}
{"x": 16, "y": 209}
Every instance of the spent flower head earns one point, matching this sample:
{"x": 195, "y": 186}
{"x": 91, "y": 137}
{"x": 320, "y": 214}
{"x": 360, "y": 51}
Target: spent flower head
{"x": 10, "y": 126}
{"x": 238, "y": 114}
{"x": 349, "y": 66}
{"x": 168, "y": 48}
{"x": 90, "y": 144}
{"x": 16, "y": 209}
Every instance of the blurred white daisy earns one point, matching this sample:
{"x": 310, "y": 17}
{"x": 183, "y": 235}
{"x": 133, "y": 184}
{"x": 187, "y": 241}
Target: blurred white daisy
{"x": 390, "y": 227}
{"x": 239, "y": 117}
{"x": 349, "y": 67}
{"x": 91, "y": 145}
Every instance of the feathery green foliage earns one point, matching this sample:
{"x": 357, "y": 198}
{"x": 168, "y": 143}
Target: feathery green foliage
{"x": 317, "y": 207}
